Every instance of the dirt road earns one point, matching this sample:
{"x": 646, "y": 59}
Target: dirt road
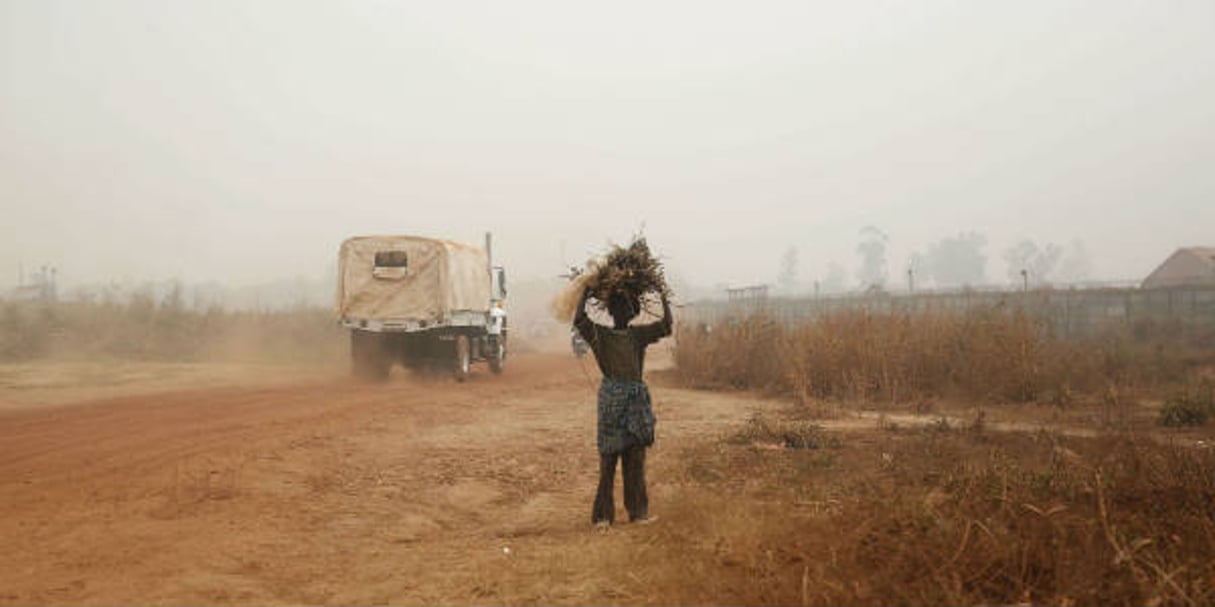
{"x": 286, "y": 487}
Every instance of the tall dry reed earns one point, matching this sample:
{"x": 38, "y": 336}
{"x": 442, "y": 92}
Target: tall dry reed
{"x": 991, "y": 355}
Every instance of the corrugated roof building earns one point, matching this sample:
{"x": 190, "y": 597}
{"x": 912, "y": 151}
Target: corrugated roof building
{"x": 1186, "y": 266}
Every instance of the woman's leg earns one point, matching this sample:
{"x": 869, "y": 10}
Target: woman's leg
{"x": 605, "y": 507}
{"x": 635, "y": 498}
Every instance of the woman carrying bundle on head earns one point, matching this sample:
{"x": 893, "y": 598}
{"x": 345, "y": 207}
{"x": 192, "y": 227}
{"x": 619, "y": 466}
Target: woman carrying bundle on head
{"x": 626, "y": 416}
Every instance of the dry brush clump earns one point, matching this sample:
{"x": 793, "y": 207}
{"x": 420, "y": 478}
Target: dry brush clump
{"x": 1191, "y": 405}
{"x": 990, "y": 355}
{"x": 633, "y": 272}
{"x": 1128, "y": 522}
{"x": 942, "y": 517}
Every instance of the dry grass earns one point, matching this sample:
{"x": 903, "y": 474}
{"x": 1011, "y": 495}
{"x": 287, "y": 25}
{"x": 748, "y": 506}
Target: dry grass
{"x": 990, "y": 356}
{"x": 940, "y": 516}
{"x": 943, "y": 514}
{"x": 144, "y": 329}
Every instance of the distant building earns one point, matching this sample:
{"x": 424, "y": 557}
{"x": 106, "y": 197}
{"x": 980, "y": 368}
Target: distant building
{"x": 757, "y": 293}
{"x": 1187, "y": 266}
{"x": 42, "y": 288}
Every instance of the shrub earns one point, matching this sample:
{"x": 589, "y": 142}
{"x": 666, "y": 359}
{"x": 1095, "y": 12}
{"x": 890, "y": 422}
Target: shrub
{"x": 1193, "y": 407}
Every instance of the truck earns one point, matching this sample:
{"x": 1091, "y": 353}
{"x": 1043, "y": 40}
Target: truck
{"x": 425, "y": 303}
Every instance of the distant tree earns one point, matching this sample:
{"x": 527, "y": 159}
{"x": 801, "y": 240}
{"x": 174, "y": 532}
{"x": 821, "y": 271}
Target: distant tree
{"x": 954, "y": 261}
{"x": 872, "y": 250}
{"x": 787, "y": 279}
{"x": 1076, "y": 265}
{"x": 1038, "y": 262}
{"x": 915, "y": 270}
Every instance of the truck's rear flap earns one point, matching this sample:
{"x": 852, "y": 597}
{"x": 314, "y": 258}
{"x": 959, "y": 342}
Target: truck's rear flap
{"x": 409, "y": 277}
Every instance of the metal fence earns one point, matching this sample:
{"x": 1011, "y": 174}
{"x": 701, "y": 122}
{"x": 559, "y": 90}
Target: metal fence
{"x": 1070, "y": 312}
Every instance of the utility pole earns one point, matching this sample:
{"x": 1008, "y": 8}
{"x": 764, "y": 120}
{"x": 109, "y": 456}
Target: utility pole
{"x": 910, "y": 280}
{"x": 1024, "y": 280}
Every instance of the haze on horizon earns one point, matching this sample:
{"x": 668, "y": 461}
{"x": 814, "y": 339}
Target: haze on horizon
{"x": 240, "y": 142}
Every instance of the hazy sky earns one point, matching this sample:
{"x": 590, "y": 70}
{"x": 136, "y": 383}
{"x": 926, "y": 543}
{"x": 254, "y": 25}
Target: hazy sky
{"x": 242, "y": 141}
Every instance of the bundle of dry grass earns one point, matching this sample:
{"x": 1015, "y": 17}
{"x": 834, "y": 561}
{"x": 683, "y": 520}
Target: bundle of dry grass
{"x": 632, "y": 272}
{"x": 567, "y": 300}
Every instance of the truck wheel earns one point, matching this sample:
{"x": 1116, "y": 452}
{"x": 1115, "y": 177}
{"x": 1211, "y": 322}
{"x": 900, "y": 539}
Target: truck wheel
{"x": 367, "y": 355}
{"x": 497, "y": 354}
{"x": 463, "y": 358}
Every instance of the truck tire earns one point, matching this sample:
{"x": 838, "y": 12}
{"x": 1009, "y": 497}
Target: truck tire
{"x": 463, "y": 358}
{"x": 497, "y": 353}
{"x": 367, "y": 355}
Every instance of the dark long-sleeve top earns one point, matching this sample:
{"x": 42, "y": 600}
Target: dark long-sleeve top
{"x": 621, "y": 352}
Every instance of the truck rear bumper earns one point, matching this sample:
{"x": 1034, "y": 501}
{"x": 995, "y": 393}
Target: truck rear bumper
{"x": 408, "y": 325}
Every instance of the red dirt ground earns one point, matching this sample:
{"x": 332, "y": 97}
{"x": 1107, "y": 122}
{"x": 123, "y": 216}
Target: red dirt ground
{"x": 298, "y": 486}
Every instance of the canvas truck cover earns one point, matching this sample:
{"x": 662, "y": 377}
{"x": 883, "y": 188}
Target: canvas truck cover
{"x": 409, "y": 277}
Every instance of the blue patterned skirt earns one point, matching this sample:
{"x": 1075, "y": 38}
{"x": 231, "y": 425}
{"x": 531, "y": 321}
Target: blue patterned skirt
{"x": 626, "y": 416}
